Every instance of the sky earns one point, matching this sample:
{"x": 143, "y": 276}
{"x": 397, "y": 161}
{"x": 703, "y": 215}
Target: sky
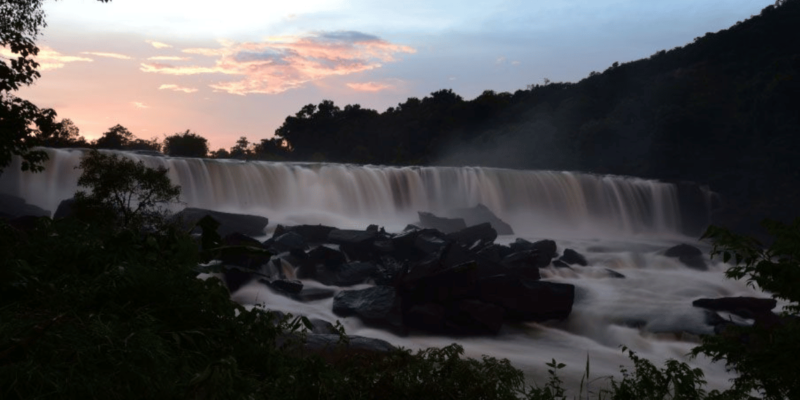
{"x": 239, "y": 68}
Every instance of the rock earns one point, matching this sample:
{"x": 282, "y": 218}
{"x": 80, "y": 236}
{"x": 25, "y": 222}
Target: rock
{"x": 322, "y": 327}
{"x": 439, "y": 286}
{"x": 429, "y": 243}
{"x": 13, "y": 207}
{"x": 346, "y": 274}
{"x": 289, "y": 241}
{"x": 745, "y": 307}
{"x": 573, "y": 257}
{"x": 64, "y": 209}
{"x": 546, "y": 248}
{"x": 251, "y": 225}
{"x": 379, "y": 305}
{"x": 494, "y": 252}
{"x": 320, "y": 255}
{"x": 330, "y": 343}
{"x": 312, "y": 234}
{"x": 481, "y": 234}
{"x": 525, "y": 264}
{"x": 313, "y": 294}
{"x": 388, "y": 271}
{"x": 291, "y": 286}
{"x": 688, "y": 255}
{"x": 356, "y": 244}
{"x": 235, "y": 277}
{"x": 560, "y": 264}
{"x": 615, "y": 274}
{"x": 475, "y": 317}
{"x": 428, "y": 317}
{"x": 481, "y": 214}
{"x": 243, "y": 257}
{"x": 527, "y": 300}
{"x": 446, "y": 225}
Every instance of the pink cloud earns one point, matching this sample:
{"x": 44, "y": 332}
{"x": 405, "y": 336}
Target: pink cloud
{"x": 369, "y": 86}
{"x": 139, "y": 104}
{"x": 288, "y": 62}
{"x": 177, "y": 88}
{"x": 47, "y": 58}
{"x": 168, "y": 58}
{"x": 107, "y": 55}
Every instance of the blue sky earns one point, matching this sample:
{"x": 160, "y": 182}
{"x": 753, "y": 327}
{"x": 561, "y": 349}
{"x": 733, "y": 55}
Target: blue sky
{"x": 231, "y": 69}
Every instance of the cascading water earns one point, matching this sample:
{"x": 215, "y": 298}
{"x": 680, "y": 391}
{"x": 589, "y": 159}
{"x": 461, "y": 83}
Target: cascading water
{"x": 621, "y": 224}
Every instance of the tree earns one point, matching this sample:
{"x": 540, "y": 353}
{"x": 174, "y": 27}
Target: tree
{"x": 59, "y": 134}
{"x": 115, "y": 138}
{"x": 21, "y": 21}
{"x": 123, "y": 191}
{"x": 186, "y": 144}
{"x": 764, "y": 355}
{"x": 242, "y": 149}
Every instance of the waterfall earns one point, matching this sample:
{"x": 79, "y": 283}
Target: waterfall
{"x": 391, "y": 196}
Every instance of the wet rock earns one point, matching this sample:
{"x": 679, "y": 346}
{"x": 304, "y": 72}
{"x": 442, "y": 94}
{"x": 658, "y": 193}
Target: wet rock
{"x": 64, "y": 209}
{"x": 546, "y": 248}
{"x": 14, "y": 207}
{"x": 481, "y": 234}
{"x": 289, "y": 241}
{"x": 481, "y": 214}
{"x": 312, "y": 234}
{"x": 745, "y": 307}
{"x": 470, "y": 317}
{"x": 322, "y": 327}
{"x": 688, "y": 255}
{"x": 331, "y": 343}
{"x": 525, "y": 264}
{"x": 377, "y": 305}
{"x": 388, "y": 271}
{"x": 494, "y": 252}
{"x": 615, "y": 274}
{"x": 235, "y": 277}
{"x": 527, "y": 300}
{"x": 445, "y": 225}
{"x": 243, "y": 251}
{"x": 291, "y": 286}
{"x": 573, "y": 257}
{"x": 560, "y": 264}
{"x": 313, "y": 294}
{"x": 346, "y": 274}
{"x": 251, "y": 225}
{"x": 439, "y": 286}
{"x": 356, "y": 244}
{"x": 320, "y": 255}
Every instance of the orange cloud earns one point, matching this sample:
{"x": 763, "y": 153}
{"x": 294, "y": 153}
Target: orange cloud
{"x": 158, "y": 45}
{"x": 47, "y": 58}
{"x": 107, "y": 55}
{"x": 369, "y": 86}
{"x": 177, "y": 88}
{"x": 138, "y": 104}
{"x": 283, "y": 63}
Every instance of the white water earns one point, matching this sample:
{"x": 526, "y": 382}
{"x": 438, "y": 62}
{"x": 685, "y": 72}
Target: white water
{"x": 619, "y": 223}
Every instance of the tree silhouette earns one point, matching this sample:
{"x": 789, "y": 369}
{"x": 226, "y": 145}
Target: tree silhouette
{"x": 186, "y": 144}
{"x": 115, "y": 138}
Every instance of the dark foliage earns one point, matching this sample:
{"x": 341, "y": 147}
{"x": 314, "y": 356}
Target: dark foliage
{"x": 186, "y": 144}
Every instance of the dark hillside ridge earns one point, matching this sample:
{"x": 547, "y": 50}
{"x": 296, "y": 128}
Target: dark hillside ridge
{"x": 721, "y": 111}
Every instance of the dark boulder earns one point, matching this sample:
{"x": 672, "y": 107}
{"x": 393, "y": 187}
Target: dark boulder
{"x": 481, "y": 214}
{"x": 525, "y": 264}
{"x": 547, "y": 248}
{"x": 13, "y": 207}
{"x": 475, "y": 236}
{"x": 527, "y": 300}
{"x": 291, "y": 286}
{"x": 358, "y": 245}
{"x": 377, "y": 305}
{"x": 312, "y": 234}
{"x": 235, "y": 277}
{"x": 439, "y": 285}
{"x": 470, "y": 317}
{"x": 446, "y": 225}
{"x": 319, "y": 256}
{"x": 745, "y": 307}
{"x": 388, "y": 271}
{"x": 251, "y": 225}
{"x": 688, "y": 255}
{"x": 494, "y": 252}
{"x": 64, "y": 209}
{"x": 243, "y": 251}
{"x": 346, "y": 274}
{"x": 287, "y": 242}
{"x": 313, "y": 294}
{"x": 573, "y": 257}
{"x": 614, "y": 274}
{"x": 322, "y": 327}
{"x": 332, "y": 343}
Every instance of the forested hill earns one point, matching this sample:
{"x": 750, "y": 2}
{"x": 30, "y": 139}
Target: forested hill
{"x": 723, "y": 111}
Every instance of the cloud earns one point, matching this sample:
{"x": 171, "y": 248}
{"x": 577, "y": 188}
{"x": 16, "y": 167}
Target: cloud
{"x": 107, "y": 55}
{"x": 515, "y": 62}
{"x": 139, "y": 104}
{"x": 283, "y": 63}
{"x": 369, "y": 86}
{"x": 168, "y": 58}
{"x": 158, "y": 45}
{"x": 500, "y": 60}
{"x": 48, "y": 58}
{"x": 177, "y": 88}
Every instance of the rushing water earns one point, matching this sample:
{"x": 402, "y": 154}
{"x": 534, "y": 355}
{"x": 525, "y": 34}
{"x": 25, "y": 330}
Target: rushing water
{"x": 619, "y": 223}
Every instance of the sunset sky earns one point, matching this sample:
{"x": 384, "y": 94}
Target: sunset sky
{"x": 238, "y": 68}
